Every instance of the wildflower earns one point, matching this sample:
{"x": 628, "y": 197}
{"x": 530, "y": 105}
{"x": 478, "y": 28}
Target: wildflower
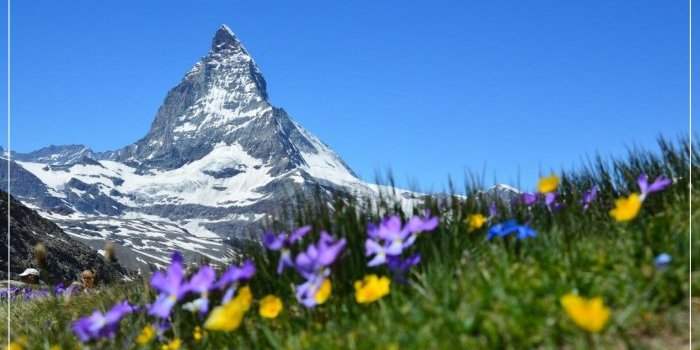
{"x": 313, "y": 264}
{"x": 589, "y": 314}
{"x": 99, "y": 325}
{"x": 323, "y": 292}
{"x": 589, "y": 196}
{"x": 660, "y": 184}
{"x": 399, "y": 267}
{"x": 170, "y": 285}
{"x": 233, "y": 276}
{"x": 511, "y": 226}
{"x": 55, "y": 347}
{"x": 662, "y": 260}
{"x": 528, "y": 198}
{"x": 503, "y": 229}
{"x": 174, "y": 344}
{"x": 626, "y": 209}
{"x": 389, "y": 238}
{"x": 283, "y": 242}
{"x": 18, "y": 344}
{"x": 228, "y": 317}
{"x": 371, "y": 289}
{"x": 548, "y": 184}
{"x": 200, "y": 283}
{"x": 197, "y": 334}
{"x": 270, "y": 306}
{"x": 550, "y": 200}
{"x": 146, "y": 336}
{"x": 318, "y": 256}
{"x": 475, "y": 222}
{"x": 525, "y": 231}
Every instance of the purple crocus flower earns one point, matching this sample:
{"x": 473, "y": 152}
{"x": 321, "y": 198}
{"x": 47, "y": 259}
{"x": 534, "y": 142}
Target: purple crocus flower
{"x": 550, "y": 199}
{"x": 399, "y": 267}
{"x": 99, "y": 325}
{"x": 233, "y": 276}
{"x": 390, "y": 238}
{"x": 319, "y": 256}
{"x": 660, "y": 184}
{"x": 170, "y": 285}
{"x": 306, "y": 292}
{"x": 313, "y": 264}
{"x": 200, "y": 283}
{"x": 283, "y": 242}
{"x": 589, "y": 196}
{"x": 528, "y": 198}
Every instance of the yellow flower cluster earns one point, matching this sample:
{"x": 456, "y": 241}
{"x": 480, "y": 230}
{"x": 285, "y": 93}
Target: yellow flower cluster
{"x": 270, "y": 306}
{"x": 627, "y": 209}
{"x": 589, "y": 314}
{"x": 324, "y": 292}
{"x": 371, "y": 289}
{"x": 548, "y": 184}
{"x": 475, "y": 222}
{"x": 229, "y": 316}
{"x": 146, "y": 336}
{"x": 174, "y": 344}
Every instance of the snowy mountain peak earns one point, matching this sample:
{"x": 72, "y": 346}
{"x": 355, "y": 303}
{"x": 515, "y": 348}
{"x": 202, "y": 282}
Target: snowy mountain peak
{"x": 218, "y": 158}
{"x": 224, "y": 37}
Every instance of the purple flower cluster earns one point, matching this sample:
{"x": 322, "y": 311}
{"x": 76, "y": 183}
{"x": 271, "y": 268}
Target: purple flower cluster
{"x": 550, "y": 199}
{"x": 659, "y": 184}
{"x": 388, "y": 240}
{"x": 589, "y": 197}
{"x": 283, "y": 242}
{"x": 172, "y": 287}
{"x": 312, "y": 264}
{"x": 99, "y": 325}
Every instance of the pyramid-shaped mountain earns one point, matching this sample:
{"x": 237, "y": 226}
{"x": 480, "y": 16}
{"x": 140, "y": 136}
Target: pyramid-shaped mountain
{"x": 217, "y": 159}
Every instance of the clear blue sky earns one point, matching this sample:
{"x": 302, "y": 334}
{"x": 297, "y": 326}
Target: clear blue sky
{"x": 427, "y": 88}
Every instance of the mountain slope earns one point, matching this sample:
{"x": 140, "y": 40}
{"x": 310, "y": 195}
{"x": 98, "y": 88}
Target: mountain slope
{"x": 66, "y": 257}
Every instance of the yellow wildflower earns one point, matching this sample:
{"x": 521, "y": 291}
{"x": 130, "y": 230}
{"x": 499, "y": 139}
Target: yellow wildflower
{"x": 589, "y": 314}
{"x": 371, "y": 289}
{"x": 626, "y": 209}
{"x": 475, "y": 221}
{"x": 548, "y": 184}
{"x": 245, "y": 297}
{"x": 197, "y": 333}
{"x": 147, "y": 334}
{"x": 172, "y": 345}
{"x": 229, "y": 316}
{"x": 270, "y": 306}
{"x": 18, "y": 344}
{"x": 55, "y": 347}
{"x": 324, "y": 292}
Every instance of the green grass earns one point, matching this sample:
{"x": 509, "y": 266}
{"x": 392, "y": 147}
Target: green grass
{"x": 467, "y": 293}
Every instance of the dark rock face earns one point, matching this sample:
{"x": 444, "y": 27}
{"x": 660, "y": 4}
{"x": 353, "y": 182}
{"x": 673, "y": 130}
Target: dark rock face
{"x": 66, "y": 257}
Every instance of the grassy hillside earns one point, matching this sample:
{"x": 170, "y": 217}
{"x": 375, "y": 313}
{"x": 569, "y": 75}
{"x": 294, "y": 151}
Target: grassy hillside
{"x": 467, "y": 292}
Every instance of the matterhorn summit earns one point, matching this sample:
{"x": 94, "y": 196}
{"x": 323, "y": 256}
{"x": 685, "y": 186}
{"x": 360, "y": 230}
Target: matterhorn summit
{"x": 217, "y": 159}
